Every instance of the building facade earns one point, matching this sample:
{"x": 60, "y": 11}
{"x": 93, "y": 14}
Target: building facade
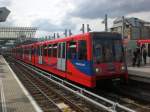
{"x": 132, "y": 29}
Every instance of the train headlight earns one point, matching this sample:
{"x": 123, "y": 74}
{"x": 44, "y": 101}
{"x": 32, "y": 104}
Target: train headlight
{"x": 123, "y": 68}
{"x": 97, "y": 70}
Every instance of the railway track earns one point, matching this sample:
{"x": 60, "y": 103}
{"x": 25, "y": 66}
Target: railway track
{"x": 49, "y": 96}
{"x": 134, "y": 95}
{"x": 83, "y": 100}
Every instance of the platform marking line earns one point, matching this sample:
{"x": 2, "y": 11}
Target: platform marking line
{"x": 4, "y": 108}
{"x": 33, "y": 102}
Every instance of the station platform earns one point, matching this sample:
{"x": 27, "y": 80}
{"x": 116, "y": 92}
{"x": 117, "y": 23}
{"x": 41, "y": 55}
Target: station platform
{"x": 13, "y": 96}
{"x": 141, "y": 73}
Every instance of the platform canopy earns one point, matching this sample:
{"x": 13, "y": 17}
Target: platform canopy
{"x": 4, "y": 12}
{"x": 13, "y": 33}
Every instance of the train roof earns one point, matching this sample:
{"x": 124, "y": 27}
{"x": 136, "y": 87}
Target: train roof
{"x": 99, "y": 34}
{"x": 112, "y": 35}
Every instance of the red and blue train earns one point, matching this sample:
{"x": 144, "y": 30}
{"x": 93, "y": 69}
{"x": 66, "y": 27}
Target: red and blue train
{"x": 85, "y": 58}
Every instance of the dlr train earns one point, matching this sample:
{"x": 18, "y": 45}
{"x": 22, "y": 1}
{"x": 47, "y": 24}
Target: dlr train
{"x": 85, "y": 58}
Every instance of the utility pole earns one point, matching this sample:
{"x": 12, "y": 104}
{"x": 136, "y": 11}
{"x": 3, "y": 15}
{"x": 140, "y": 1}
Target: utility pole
{"x": 58, "y": 35}
{"x": 65, "y": 33}
{"x": 88, "y": 28}
{"x": 106, "y": 25}
{"x": 123, "y": 20}
{"x": 105, "y": 22}
{"x": 54, "y": 36}
{"x": 82, "y": 29}
{"x": 49, "y": 37}
{"x": 70, "y": 33}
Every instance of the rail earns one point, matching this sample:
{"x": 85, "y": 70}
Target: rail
{"x": 87, "y": 95}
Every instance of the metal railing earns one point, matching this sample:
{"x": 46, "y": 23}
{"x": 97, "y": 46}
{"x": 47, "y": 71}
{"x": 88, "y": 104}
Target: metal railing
{"x": 96, "y": 99}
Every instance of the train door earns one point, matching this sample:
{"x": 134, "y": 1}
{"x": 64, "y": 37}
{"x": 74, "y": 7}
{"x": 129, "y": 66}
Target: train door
{"x": 33, "y": 55}
{"x": 30, "y": 50}
{"x": 40, "y": 55}
{"x": 23, "y": 53}
{"x": 61, "y": 58}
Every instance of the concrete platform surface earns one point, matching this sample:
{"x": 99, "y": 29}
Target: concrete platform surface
{"x": 13, "y": 96}
{"x": 141, "y": 73}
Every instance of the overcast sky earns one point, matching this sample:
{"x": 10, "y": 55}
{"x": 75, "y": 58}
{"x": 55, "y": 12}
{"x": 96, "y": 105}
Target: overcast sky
{"x": 56, "y": 15}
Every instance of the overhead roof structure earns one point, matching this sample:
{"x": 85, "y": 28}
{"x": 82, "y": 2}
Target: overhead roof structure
{"x": 4, "y": 12}
{"x": 13, "y": 33}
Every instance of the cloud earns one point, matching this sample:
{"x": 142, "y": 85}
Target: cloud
{"x": 5, "y": 3}
{"x": 97, "y": 9}
{"x": 50, "y": 26}
{"x": 8, "y": 23}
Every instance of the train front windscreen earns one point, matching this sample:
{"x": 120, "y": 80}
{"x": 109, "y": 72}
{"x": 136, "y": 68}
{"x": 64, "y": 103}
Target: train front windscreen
{"x": 106, "y": 50}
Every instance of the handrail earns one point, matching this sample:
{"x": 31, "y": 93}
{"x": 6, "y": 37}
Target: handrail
{"x": 79, "y": 91}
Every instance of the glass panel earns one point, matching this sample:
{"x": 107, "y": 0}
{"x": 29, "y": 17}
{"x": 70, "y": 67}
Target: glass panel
{"x": 82, "y": 55}
{"x": 45, "y": 50}
{"x": 64, "y": 50}
{"x": 72, "y": 50}
{"x": 59, "y": 50}
{"x": 108, "y": 53}
{"x": 148, "y": 50}
{"x": 49, "y": 50}
{"x": 55, "y": 50}
{"x": 98, "y": 51}
{"x": 118, "y": 50}
{"x": 107, "y": 50}
{"x": 40, "y": 51}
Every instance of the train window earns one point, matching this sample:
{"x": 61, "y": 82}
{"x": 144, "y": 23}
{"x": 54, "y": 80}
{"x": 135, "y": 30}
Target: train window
{"x": 38, "y": 50}
{"x": 45, "y": 50}
{"x": 72, "y": 50}
{"x": 148, "y": 50}
{"x": 55, "y": 50}
{"x": 97, "y": 52}
{"x": 33, "y": 50}
{"x": 28, "y": 51}
{"x": 41, "y": 50}
{"x": 108, "y": 50}
{"x": 82, "y": 50}
{"x": 118, "y": 50}
{"x": 59, "y": 52}
{"x": 49, "y": 50}
{"x": 24, "y": 51}
{"x": 64, "y": 50}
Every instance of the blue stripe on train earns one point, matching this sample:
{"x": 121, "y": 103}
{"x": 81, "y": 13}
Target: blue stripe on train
{"x": 83, "y": 66}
